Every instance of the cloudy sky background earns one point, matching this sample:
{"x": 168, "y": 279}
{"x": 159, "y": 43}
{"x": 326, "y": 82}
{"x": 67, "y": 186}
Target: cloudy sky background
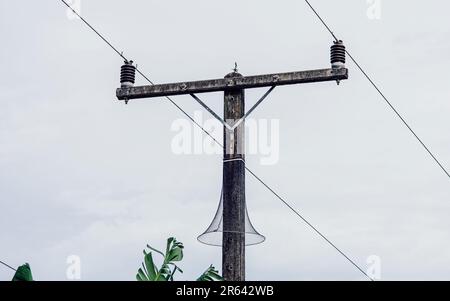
{"x": 83, "y": 174}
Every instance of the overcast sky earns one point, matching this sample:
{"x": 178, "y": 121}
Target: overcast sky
{"x": 83, "y": 174}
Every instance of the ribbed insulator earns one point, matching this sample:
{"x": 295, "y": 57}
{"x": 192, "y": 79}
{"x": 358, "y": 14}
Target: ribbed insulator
{"x": 127, "y": 74}
{"x": 338, "y": 55}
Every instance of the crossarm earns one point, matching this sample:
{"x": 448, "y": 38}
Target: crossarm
{"x": 222, "y": 84}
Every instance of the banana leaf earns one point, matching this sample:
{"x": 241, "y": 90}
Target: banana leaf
{"x": 23, "y": 273}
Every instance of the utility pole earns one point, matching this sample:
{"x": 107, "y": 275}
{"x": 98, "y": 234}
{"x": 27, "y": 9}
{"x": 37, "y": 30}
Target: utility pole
{"x": 233, "y": 85}
{"x": 233, "y": 239}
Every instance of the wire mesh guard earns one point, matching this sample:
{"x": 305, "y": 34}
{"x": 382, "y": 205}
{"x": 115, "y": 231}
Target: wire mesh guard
{"x": 213, "y": 235}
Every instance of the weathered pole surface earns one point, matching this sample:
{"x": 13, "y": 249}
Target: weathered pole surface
{"x": 233, "y": 247}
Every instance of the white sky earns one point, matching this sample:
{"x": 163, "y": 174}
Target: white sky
{"x": 80, "y": 173}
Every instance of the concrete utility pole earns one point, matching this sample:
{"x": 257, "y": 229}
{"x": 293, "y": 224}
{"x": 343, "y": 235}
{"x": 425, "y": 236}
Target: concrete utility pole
{"x": 233, "y": 86}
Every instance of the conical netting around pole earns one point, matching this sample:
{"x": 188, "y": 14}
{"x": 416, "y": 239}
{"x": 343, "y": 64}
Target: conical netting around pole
{"x": 213, "y": 235}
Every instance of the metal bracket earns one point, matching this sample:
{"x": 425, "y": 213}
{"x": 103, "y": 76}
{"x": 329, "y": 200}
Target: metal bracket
{"x": 254, "y": 107}
{"x": 235, "y": 125}
{"x": 211, "y": 111}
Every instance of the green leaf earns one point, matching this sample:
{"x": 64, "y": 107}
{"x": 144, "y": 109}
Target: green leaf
{"x": 155, "y": 250}
{"x": 174, "y": 250}
{"x": 169, "y": 243}
{"x": 177, "y": 267}
{"x": 163, "y": 273}
{"x": 140, "y": 276}
{"x": 23, "y": 273}
{"x": 211, "y": 274}
{"x": 174, "y": 253}
{"x": 149, "y": 266}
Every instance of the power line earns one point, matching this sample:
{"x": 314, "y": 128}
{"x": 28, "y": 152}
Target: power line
{"x": 218, "y": 143}
{"x": 321, "y": 20}
{"x": 399, "y": 115}
{"x": 181, "y": 109}
{"x": 138, "y": 71}
{"x": 308, "y": 223}
{"x": 8, "y": 266}
{"x": 94, "y": 30}
{"x": 381, "y": 94}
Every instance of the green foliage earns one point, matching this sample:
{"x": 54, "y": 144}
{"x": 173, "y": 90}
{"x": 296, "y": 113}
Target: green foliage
{"x": 149, "y": 271}
{"x": 174, "y": 253}
{"x": 23, "y": 273}
{"x": 211, "y": 274}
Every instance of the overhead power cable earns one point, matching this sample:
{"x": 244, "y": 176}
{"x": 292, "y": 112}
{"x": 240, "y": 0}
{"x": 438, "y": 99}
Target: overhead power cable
{"x": 308, "y": 223}
{"x": 391, "y": 106}
{"x": 8, "y": 266}
{"x": 137, "y": 70}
